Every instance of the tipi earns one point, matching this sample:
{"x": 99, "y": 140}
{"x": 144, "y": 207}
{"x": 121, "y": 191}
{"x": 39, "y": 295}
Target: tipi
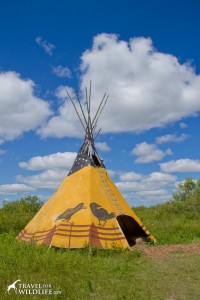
{"x": 87, "y": 208}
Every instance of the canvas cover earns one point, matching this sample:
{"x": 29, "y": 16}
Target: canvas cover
{"x": 86, "y": 210}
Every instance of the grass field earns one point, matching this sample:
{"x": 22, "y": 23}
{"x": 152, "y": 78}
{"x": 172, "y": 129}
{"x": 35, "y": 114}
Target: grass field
{"x": 104, "y": 274}
{"x": 80, "y": 274}
{"x": 173, "y": 222}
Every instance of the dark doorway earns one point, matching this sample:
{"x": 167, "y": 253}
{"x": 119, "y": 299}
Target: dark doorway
{"x": 130, "y": 228}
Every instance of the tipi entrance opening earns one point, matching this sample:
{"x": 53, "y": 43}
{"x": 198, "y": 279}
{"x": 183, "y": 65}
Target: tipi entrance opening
{"x": 130, "y": 228}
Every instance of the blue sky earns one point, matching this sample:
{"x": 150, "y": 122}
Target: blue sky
{"x": 144, "y": 54}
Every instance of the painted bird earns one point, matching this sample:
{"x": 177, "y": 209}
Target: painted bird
{"x": 68, "y": 213}
{"x": 100, "y": 213}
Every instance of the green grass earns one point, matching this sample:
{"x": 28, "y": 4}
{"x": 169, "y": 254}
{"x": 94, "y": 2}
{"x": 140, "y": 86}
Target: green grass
{"x": 173, "y": 222}
{"x": 95, "y": 274}
{"x": 104, "y": 274}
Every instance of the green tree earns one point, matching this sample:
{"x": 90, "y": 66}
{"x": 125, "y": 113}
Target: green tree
{"x": 186, "y": 189}
{"x": 15, "y": 215}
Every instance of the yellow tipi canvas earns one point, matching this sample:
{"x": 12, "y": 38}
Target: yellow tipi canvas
{"x": 87, "y": 209}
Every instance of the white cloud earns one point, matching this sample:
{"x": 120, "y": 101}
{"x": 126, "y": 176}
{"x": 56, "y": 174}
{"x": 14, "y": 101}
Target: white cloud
{"x": 102, "y": 147}
{"x": 147, "y": 198}
{"x": 65, "y": 122}
{"x": 12, "y": 189}
{"x": 49, "y": 179}
{"x": 147, "y": 153}
{"x": 46, "y": 46}
{"x": 56, "y": 167}
{"x": 61, "y": 71}
{"x": 161, "y": 178}
{"x": 2, "y": 152}
{"x": 171, "y": 138}
{"x": 20, "y": 110}
{"x": 50, "y": 162}
{"x": 111, "y": 173}
{"x": 130, "y": 186}
{"x": 61, "y": 92}
{"x": 159, "y": 192}
{"x": 130, "y": 176}
{"x": 146, "y": 189}
{"x": 147, "y": 88}
{"x": 183, "y": 125}
{"x": 181, "y": 165}
{"x": 151, "y": 182}
{"x": 155, "y": 199}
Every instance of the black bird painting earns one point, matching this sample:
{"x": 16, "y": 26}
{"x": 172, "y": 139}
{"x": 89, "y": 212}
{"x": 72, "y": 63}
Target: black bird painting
{"x": 100, "y": 213}
{"x": 68, "y": 213}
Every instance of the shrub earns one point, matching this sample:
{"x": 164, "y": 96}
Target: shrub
{"x": 15, "y": 215}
